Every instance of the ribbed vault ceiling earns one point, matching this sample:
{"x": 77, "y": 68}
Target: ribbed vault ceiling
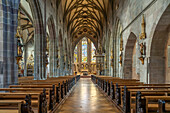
{"x": 26, "y": 24}
{"x": 84, "y": 16}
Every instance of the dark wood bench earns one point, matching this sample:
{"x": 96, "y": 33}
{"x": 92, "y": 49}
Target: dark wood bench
{"x": 16, "y": 106}
{"x": 36, "y": 100}
{"x": 148, "y": 104}
{"x": 130, "y": 97}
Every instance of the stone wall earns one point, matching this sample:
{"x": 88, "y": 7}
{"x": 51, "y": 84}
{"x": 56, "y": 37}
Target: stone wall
{"x": 130, "y": 13}
{"x": 125, "y": 19}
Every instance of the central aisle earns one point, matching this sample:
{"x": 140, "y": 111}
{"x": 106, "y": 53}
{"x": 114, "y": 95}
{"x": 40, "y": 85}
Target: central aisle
{"x": 86, "y": 98}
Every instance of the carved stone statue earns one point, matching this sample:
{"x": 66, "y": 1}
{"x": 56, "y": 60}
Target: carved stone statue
{"x": 100, "y": 50}
{"x": 142, "y": 49}
{"x": 19, "y": 47}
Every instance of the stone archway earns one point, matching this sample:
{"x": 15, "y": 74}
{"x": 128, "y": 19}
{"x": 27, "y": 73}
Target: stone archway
{"x": 158, "y": 51}
{"x": 39, "y": 37}
{"x": 52, "y": 45}
{"x": 128, "y": 58}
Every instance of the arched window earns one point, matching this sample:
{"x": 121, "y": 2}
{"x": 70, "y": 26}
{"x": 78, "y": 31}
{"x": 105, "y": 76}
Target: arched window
{"x": 93, "y": 49}
{"x": 84, "y": 49}
{"x": 75, "y": 55}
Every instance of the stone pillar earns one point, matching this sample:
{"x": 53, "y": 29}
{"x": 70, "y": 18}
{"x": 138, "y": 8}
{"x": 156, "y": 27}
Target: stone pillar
{"x": 79, "y": 55}
{"x": 38, "y": 51}
{"x": 55, "y": 59}
{"x": 61, "y": 59}
{"x": 51, "y": 57}
{"x": 1, "y": 45}
{"x": 37, "y": 55}
{"x": 25, "y": 60}
{"x": 89, "y": 54}
{"x": 44, "y": 46}
{"x": 8, "y": 28}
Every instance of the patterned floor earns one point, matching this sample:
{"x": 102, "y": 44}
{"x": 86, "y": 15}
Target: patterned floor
{"x": 86, "y": 98}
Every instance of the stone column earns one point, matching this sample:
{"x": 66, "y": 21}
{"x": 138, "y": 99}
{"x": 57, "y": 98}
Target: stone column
{"x": 8, "y": 28}
{"x": 37, "y": 55}
{"x": 89, "y": 54}
{"x": 25, "y": 60}
{"x": 51, "y": 57}
{"x": 80, "y": 55}
{"x": 1, "y": 45}
{"x": 61, "y": 59}
{"x": 44, "y": 46}
{"x": 55, "y": 59}
{"x": 8, "y": 66}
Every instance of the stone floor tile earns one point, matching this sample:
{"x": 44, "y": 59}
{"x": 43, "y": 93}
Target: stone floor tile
{"x": 86, "y": 98}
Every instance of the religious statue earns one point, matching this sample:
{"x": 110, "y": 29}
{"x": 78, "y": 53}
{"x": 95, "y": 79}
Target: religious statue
{"x": 46, "y": 60}
{"x": 18, "y": 35}
{"x": 31, "y": 58}
{"x": 141, "y": 59}
{"x": 58, "y": 63}
{"x": 142, "y": 49}
{"x": 142, "y": 52}
{"x": 100, "y": 50}
{"x": 120, "y": 58}
{"x": 19, "y": 47}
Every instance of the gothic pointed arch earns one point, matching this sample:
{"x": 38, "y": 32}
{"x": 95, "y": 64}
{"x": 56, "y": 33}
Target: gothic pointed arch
{"x": 52, "y": 45}
{"x": 127, "y": 67}
{"x": 39, "y": 37}
{"x": 159, "y": 49}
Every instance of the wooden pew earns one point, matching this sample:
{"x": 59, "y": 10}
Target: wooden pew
{"x": 161, "y": 107}
{"x": 114, "y": 87}
{"x": 16, "y": 106}
{"x": 15, "y": 102}
{"x": 147, "y": 104}
{"x": 57, "y": 87}
{"x": 144, "y": 86}
{"x": 53, "y": 79}
{"x": 131, "y": 97}
{"x": 58, "y": 92}
{"x": 51, "y": 92}
{"x": 48, "y": 92}
{"x": 64, "y": 81}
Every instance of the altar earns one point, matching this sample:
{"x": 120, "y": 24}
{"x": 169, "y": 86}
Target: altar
{"x": 85, "y": 72}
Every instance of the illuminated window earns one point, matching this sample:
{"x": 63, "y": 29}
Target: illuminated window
{"x": 84, "y": 50}
{"x": 75, "y": 55}
{"x": 93, "y": 49}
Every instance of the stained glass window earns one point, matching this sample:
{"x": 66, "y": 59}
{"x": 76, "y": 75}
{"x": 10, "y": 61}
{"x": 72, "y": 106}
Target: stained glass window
{"x": 75, "y": 55}
{"x": 93, "y": 49}
{"x": 84, "y": 50}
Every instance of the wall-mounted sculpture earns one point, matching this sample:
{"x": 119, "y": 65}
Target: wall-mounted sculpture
{"x": 19, "y": 37}
{"x": 142, "y": 45}
{"x": 112, "y": 60}
{"x": 19, "y": 45}
{"x": 47, "y": 52}
{"x": 64, "y": 63}
{"x": 105, "y": 61}
{"x": 142, "y": 52}
{"x": 121, "y": 51}
{"x": 58, "y": 58}
{"x": 30, "y": 65}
